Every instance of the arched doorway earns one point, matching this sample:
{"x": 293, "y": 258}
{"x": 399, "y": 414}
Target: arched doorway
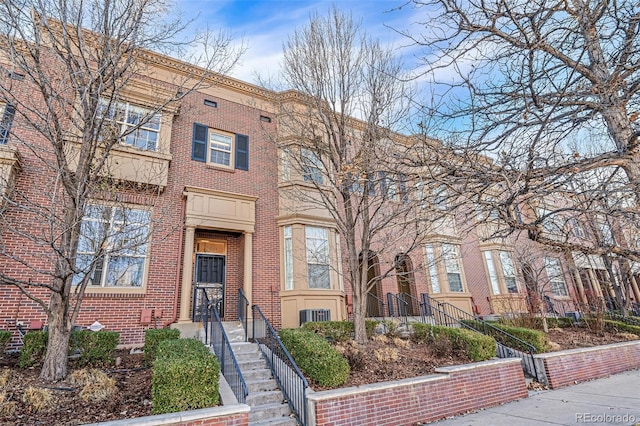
{"x": 406, "y": 284}
{"x": 375, "y": 301}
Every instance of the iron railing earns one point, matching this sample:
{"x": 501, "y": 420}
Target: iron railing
{"x": 375, "y": 306}
{"x": 289, "y": 377}
{"x": 449, "y": 315}
{"x": 397, "y": 307}
{"x": 243, "y": 312}
{"x": 626, "y": 319}
{"x": 217, "y": 339}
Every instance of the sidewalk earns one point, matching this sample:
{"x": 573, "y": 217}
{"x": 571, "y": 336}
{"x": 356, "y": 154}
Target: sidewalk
{"x": 614, "y": 400}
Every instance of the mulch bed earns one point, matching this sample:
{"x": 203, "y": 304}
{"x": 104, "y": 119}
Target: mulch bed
{"x": 380, "y": 360}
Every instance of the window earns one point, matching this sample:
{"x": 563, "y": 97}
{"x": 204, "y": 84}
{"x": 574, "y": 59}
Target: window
{"x": 556, "y": 279}
{"x": 440, "y": 196}
{"x": 220, "y": 148}
{"x": 577, "y": 229}
{"x": 123, "y": 235}
{"x": 493, "y": 276}
{"x": 137, "y": 126}
{"x": 508, "y": 271}
{"x": 452, "y": 265}
{"x": 7, "y": 111}
{"x": 549, "y": 221}
{"x": 420, "y": 195}
{"x": 311, "y": 166}
{"x": 317, "y": 257}
{"x": 288, "y": 259}
{"x": 607, "y": 234}
{"x": 433, "y": 269}
{"x": 388, "y": 186}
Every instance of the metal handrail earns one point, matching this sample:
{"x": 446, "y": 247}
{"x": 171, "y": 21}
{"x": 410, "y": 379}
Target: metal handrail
{"x": 397, "y": 307}
{"x": 626, "y": 319}
{"x": 284, "y": 369}
{"x": 217, "y": 339}
{"x": 243, "y": 312}
{"x": 443, "y": 316}
{"x": 414, "y": 303}
{"x": 373, "y": 299}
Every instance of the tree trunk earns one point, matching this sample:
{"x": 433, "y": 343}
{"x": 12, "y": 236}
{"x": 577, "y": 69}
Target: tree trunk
{"x": 54, "y": 367}
{"x": 359, "y": 317}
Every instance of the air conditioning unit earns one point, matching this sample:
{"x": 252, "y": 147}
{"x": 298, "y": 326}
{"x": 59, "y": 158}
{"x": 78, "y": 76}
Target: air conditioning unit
{"x": 309, "y": 315}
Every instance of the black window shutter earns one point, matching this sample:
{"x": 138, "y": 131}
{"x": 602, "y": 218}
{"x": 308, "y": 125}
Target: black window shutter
{"x": 242, "y": 152}
{"x": 5, "y": 124}
{"x": 199, "y": 147}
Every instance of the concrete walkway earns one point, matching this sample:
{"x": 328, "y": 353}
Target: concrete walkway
{"x": 613, "y": 400}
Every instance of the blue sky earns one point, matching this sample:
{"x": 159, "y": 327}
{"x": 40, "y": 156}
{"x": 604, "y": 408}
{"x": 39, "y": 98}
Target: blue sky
{"x": 265, "y": 24}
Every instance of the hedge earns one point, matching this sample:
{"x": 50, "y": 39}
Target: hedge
{"x": 536, "y": 338}
{"x": 153, "y": 337}
{"x": 317, "y": 359}
{"x": 185, "y": 376}
{"x": 619, "y": 326}
{"x": 478, "y": 347}
{"x": 94, "y": 347}
{"x": 338, "y": 331}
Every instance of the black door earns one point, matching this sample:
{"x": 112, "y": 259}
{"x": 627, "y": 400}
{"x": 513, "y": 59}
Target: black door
{"x": 208, "y": 279}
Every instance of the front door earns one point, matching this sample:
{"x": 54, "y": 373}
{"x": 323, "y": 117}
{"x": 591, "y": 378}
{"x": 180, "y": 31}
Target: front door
{"x": 209, "y": 278}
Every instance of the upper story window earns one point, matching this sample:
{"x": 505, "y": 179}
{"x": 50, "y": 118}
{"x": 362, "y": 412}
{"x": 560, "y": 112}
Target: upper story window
{"x": 138, "y": 127}
{"x": 606, "y": 231}
{"x": 220, "y": 148}
{"x": 119, "y": 235}
{"x": 440, "y": 197}
{"x": 7, "y": 112}
{"x": 556, "y": 278}
{"x": 311, "y": 166}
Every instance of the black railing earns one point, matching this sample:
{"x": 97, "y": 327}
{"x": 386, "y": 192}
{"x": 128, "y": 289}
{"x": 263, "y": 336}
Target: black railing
{"x": 375, "y": 306}
{"x": 217, "y": 339}
{"x": 508, "y": 345}
{"x": 243, "y": 312}
{"x": 289, "y": 377}
{"x": 412, "y": 305}
{"x": 397, "y": 307}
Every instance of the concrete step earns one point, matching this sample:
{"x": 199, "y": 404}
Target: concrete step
{"x": 261, "y": 385}
{"x": 269, "y": 411}
{"x": 278, "y": 421}
{"x": 256, "y": 374}
{"x": 235, "y": 331}
{"x": 255, "y": 399}
{"x": 244, "y": 347}
{"x": 251, "y": 364}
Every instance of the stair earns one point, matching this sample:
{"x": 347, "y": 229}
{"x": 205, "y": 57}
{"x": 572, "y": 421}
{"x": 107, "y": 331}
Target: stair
{"x": 265, "y": 399}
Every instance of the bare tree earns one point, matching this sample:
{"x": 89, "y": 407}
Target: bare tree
{"x": 531, "y": 85}
{"x": 337, "y": 138}
{"x": 66, "y": 65}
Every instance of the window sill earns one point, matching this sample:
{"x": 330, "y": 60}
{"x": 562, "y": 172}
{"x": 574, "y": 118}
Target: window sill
{"x": 119, "y": 293}
{"x": 220, "y": 168}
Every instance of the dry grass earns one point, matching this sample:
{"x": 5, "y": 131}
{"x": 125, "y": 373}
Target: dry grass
{"x": 382, "y": 338}
{"x": 4, "y": 377}
{"x": 8, "y": 409}
{"x": 386, "y": 354}
{"x": 37, "y": 399}
{"x": 401, "y": 343}
{"x": 96, "y": 385}
{"x": 628, "y": 336}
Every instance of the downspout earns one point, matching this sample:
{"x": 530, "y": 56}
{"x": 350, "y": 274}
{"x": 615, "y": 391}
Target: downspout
{"x": 174, "y": 314}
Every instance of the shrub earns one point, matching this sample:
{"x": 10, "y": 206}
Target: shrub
{"x": 536, "y": 338}
{"x": 4, "y": 377}
{"x": 319, "y": 361}
{"x": 33, "y": 349}
{"x": 185, "y": 376}
{"x": 478, "y": 347}
{"x": 5, "y": 336}
{"x": 153, "y": 337}
{"x": 96, "y": 347}
{"x": 618, "y": 326}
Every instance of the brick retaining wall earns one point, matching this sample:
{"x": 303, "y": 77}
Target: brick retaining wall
{"x": 565, "y": 368}
{"x": 453, "y": 390}
{"x": 233, "y": 415}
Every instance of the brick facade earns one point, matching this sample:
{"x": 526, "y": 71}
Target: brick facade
{"x": 453, "y": 391}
